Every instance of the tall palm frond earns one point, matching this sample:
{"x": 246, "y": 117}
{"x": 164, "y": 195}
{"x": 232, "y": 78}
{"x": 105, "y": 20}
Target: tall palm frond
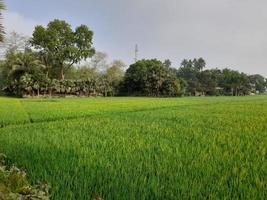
{"x": 2, "y": 32}
{"x": 26, "y": 62}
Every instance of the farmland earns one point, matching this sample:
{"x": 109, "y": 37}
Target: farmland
{"x": 140, "y": 148}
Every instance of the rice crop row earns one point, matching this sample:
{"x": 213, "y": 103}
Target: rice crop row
{"x": 143, "y": 148}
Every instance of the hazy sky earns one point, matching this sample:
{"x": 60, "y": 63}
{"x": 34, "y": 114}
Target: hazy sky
{"x": 227, "y": 33}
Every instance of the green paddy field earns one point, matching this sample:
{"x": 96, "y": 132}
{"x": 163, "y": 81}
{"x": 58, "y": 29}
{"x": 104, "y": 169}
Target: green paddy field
{"x": 140, "y": 148}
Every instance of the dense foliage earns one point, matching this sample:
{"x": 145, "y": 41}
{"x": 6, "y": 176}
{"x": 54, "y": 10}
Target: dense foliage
{"x": 59, "y": 47}
{"x": 48, "y": 64}
{"x": 140, "y": 148}
{"x": 218, "y": 82}
{"x": 2, "y": 32}
{"x": 151, "y": 78}
{"x": 14, "y": 184}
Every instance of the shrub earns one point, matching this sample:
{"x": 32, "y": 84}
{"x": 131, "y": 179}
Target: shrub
{"x": 14, "y": 184}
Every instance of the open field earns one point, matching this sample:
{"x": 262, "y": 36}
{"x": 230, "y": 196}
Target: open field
{"x": 140, "y": 148}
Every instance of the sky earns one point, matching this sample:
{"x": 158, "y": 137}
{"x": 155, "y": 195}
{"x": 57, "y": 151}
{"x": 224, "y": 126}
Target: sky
{"x": 226, "y": 33}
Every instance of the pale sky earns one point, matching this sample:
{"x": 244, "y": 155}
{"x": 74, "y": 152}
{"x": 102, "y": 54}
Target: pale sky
{"x": 226, "y": 33}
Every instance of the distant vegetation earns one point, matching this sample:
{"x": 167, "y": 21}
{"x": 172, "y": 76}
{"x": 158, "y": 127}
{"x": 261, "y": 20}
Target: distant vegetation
{"x": 48, "y": 64}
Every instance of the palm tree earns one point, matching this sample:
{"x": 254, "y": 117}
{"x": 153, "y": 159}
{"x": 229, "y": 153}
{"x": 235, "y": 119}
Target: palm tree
{"x": 26, "y": 62}
{"x": 26, "y": 71}
{"x": 2, "y": 32}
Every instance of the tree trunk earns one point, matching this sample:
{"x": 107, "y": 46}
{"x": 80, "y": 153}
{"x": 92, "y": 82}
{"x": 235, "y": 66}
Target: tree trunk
{"x": 62, "y": 73}
{"x": 105, "y": 92}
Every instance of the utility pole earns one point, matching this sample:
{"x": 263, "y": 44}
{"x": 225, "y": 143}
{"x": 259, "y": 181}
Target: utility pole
{"x": 136, "y": 53}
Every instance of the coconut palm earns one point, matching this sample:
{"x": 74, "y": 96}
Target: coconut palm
{"x": 26, "y": 70}
{"x": 2, "y": 32}
{"x": 26, "y": 62}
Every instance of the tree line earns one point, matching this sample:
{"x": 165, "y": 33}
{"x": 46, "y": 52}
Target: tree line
{"x": 48, "y": 64}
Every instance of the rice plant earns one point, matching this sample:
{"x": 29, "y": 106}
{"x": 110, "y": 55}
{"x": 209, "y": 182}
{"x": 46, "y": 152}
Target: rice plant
{"x": 140, "y": 148}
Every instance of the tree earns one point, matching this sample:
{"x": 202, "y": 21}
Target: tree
{"x": 14, "y": 43}
{"x": 2, "y": 32}
{"x": 83, "y": 73}
{"x": 26, "y": 84}
{"x": 234, "y": 83}
{"x": 167, "y": 63}
{"x": 119, "y": 64}
{"x": 114, "y": 76}
{"x": 199, "y": 64}
{"x": 2, "y": 77}
{"x": 99, "y": 61}
{"x": 21, "y": 69}
{"x": 258, "y": 83}
{"x": 190, "y": 72}
{"x": 171, "y": 87}
{"x": 26, "y": 62}
{"x": 149, "y": 78}
{"x": 208, "y": 80}
{"x": 63, "y": 46}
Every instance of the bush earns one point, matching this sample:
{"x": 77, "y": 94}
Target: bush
{"x": 151, "y": 78}
{"x": 14, "y": 184}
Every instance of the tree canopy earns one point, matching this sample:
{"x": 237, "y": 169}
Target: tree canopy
{"x": 151, "y": 78}
{"x": 2, "y": 32}
{"x": 49, "y": 63}
{"x": 60, "y": 46}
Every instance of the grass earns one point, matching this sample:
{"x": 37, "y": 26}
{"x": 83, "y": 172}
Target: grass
{"x": 140, "y": 148}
